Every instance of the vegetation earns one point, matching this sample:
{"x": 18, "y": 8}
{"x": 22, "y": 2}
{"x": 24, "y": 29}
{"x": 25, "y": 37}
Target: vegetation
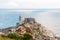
{"x": 5, "y": 38}
{"x": 27, "y": 36}
{"x": 15, "y": 36}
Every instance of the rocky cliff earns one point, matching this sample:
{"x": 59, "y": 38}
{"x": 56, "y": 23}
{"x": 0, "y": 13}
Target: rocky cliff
{"x": 38, "y": 31}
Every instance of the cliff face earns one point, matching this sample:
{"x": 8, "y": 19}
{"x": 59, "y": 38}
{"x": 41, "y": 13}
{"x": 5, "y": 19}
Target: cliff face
{"x": 38, "y": 31}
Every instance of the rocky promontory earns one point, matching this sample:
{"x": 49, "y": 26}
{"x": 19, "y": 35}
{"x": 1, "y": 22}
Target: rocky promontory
{"x": 38, "y": 31}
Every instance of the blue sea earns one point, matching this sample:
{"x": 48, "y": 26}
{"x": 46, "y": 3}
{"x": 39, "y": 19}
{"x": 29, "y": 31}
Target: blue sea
{"x": 47, "y": 17}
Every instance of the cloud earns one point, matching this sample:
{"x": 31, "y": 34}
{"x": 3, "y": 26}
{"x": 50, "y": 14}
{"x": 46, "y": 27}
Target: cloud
{"x": 29, "y": 4}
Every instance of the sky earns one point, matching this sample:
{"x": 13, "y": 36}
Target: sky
{"x": 40, "y": 4}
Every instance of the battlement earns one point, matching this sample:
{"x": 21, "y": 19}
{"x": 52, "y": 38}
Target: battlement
{"x": 29, "y": 20}
{"x": 26, "y": 20}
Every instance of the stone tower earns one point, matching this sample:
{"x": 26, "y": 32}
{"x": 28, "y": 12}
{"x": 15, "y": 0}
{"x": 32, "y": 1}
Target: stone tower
{"x": 21, "y": 19}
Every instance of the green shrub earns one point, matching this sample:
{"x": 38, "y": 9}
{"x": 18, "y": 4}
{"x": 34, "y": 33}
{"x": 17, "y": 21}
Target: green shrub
{"x": 15, "y": 36}
{"x": 27, "y": 36}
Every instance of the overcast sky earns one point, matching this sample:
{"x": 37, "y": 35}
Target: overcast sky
{"x": 30, "y": 4}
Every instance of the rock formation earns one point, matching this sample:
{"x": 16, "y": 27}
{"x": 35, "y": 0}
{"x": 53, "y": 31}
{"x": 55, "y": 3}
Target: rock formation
{"x": 38, "y": 31}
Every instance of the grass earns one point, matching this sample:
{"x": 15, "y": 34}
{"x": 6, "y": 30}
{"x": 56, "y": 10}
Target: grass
{"x": 14, "y": 36}
{"x": 5, "y": 38}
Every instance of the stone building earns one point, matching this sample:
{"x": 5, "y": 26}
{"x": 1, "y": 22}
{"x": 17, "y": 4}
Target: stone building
{"x": 26, "y": 20}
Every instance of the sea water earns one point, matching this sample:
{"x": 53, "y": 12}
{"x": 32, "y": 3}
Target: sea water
{"x": 47, "y": 17}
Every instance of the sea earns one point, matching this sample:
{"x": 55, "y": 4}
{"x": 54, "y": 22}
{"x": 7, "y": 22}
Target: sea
{"x": 50, "y": 18}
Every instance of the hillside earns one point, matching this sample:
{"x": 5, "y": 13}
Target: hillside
{"x": 38, "y": 31}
